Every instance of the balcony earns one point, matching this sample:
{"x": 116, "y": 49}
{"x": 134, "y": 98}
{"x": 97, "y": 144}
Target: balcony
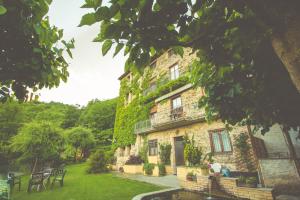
{"x": 167, "y": 119}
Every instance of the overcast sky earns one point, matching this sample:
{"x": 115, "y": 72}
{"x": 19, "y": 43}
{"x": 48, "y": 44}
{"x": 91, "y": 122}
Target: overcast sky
{"x": 91, "y": 75}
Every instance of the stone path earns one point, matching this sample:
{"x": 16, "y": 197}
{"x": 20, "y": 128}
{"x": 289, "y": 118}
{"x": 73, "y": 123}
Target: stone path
{"x": 167, "y": 181}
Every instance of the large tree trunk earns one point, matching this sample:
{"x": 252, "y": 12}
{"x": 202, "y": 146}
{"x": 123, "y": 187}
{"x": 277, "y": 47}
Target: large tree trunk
{"x": 287, "y": 47}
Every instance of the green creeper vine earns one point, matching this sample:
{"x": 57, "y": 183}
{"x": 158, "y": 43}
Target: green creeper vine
{"x": 139, "y": 108}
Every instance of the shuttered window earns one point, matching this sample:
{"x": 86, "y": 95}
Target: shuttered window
{"x": 220, "y": 141}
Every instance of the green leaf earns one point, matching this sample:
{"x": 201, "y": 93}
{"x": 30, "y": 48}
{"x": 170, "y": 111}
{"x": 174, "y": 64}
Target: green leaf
{"x": 2, "y": 10}
{"x": 178, "y": 50}
{"x": 92, "y": 4}
{"x": 102, "y": 13}
{"x": 106, "y": 47}
{"x": 88, "y": 19}
{"x": 118, "y": 48}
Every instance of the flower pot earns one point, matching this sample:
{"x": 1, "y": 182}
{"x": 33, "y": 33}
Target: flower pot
{"x": 204, "y": 172}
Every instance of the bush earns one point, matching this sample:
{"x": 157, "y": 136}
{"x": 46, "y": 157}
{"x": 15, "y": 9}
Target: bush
{"x": 192, "y": 154}
{"x": 134, "y": 160}
{"x": 161, "y": 169}
{"x": 165, "y": 153}
{"x": 111, "y": 158}
{"x": 98, "y": 162}
{"x": 148, "y": 168}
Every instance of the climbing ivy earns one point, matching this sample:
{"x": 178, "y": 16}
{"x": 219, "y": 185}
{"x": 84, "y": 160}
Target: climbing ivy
{"x": 139, "y": 108}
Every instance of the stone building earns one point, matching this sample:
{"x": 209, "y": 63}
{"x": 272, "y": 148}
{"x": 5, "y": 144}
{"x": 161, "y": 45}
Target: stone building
{"x": 175, "y": 114}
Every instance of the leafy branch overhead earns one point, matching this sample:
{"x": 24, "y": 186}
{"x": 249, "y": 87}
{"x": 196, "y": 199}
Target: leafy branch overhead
{"x": 245, "y": 77}
{"x": 32, "y": 54}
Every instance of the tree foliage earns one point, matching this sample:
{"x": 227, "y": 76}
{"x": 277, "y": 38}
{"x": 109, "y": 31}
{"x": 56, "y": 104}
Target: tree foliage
{"x": 99, "y": 115}
{"x": 81, "y": 139}
{"x": 31, "y": 50}
{"x": 41, "y": 141}
{"x": 244, "y": 80}
{"x": 11, "y": 119}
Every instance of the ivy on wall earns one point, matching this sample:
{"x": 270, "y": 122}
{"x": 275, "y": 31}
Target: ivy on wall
{"x": 139, "y": 108}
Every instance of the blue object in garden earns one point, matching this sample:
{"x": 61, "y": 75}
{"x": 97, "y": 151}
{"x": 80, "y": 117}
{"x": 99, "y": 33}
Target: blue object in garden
{"x": 225, "y": 172}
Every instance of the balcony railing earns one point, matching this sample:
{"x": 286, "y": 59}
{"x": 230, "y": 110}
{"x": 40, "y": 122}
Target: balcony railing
{"x": 168, "y": 118}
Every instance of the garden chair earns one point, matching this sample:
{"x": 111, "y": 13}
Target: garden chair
{"x": 4, "y": 190}
{"x": 37, "y": 179}
{"x": 14, "y": 180}
{"x": 59, "y": 175}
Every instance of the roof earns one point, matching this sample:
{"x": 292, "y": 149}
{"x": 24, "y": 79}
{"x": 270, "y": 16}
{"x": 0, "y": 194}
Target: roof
{"x": 123, "y": 75}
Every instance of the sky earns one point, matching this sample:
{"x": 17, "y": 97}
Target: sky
{"x": 91, "y": 75}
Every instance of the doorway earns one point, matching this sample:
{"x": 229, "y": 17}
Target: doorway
{"x": 179, "y": 149}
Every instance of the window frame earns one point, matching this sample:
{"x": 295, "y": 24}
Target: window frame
{"x": 174, "y": 71}
{"x": 154, "y": 142}
{"x": 219, "y": 131}
{"x": 172, "y": 100}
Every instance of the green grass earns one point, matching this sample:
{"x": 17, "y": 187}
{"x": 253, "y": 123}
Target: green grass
{"x": 81, "y": 186}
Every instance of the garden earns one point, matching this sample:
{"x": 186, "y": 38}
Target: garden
{"x": 82, "y": 186}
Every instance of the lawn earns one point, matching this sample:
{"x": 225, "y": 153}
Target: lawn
{"x": 82, "y": 186}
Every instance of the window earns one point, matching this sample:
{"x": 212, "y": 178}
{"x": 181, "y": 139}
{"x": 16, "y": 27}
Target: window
{"x": 152, "y": 144}
{"x": 174, "y": 72}
{"x": 128, "y": 98}
{"x": 220, "y": 141}
{"x": 176, "y": 103}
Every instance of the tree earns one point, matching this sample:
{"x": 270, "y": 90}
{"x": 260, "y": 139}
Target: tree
{"x": 71, "y": 119}
{"x": 31, "y": 50}
{"x": 37, "y": 143}
{"x": 99, "y": 115}
{"x": 81, "y": 139}
{"x": 11, "y": 119}
{"x": 247, "y": 51}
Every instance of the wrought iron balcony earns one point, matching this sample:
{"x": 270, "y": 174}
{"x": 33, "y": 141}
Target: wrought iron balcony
{"x": 166, "y": 119}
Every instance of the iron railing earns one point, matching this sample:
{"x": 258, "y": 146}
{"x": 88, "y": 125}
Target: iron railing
{"x": 186, "y": 113}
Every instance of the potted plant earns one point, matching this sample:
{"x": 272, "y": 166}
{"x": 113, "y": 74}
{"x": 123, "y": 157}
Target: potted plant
{"x": 148, "y": 168}
{"x": 204, "y": 169}
{"x": 191, "y": 176}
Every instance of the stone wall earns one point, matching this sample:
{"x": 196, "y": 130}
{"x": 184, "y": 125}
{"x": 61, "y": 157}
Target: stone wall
{"x": 278, "y": 171}
{"x": 201, "y": 135}
{"x": 164, "y": 62}
{"x": 228, "y": 185}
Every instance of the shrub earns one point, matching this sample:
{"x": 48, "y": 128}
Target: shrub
{"x": 165, "y": 153}
{"x": 134, "y": 160}
{"x": 111, "y": 158}
{"x": 148, "y": 168}
{"x": 192, "y": 154}
{"x": 97, "y": 162}
{"x": 190, "y": 176}
{"x": 161, "y": 169}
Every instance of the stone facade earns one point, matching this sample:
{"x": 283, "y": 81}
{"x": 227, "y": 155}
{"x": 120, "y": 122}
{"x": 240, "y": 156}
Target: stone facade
{"x": 200, "y": 132}
{"x": 165, "y": 126}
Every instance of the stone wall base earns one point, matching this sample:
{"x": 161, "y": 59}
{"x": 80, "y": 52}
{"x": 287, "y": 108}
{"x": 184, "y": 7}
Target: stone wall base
{"x": 228, "y": 185}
